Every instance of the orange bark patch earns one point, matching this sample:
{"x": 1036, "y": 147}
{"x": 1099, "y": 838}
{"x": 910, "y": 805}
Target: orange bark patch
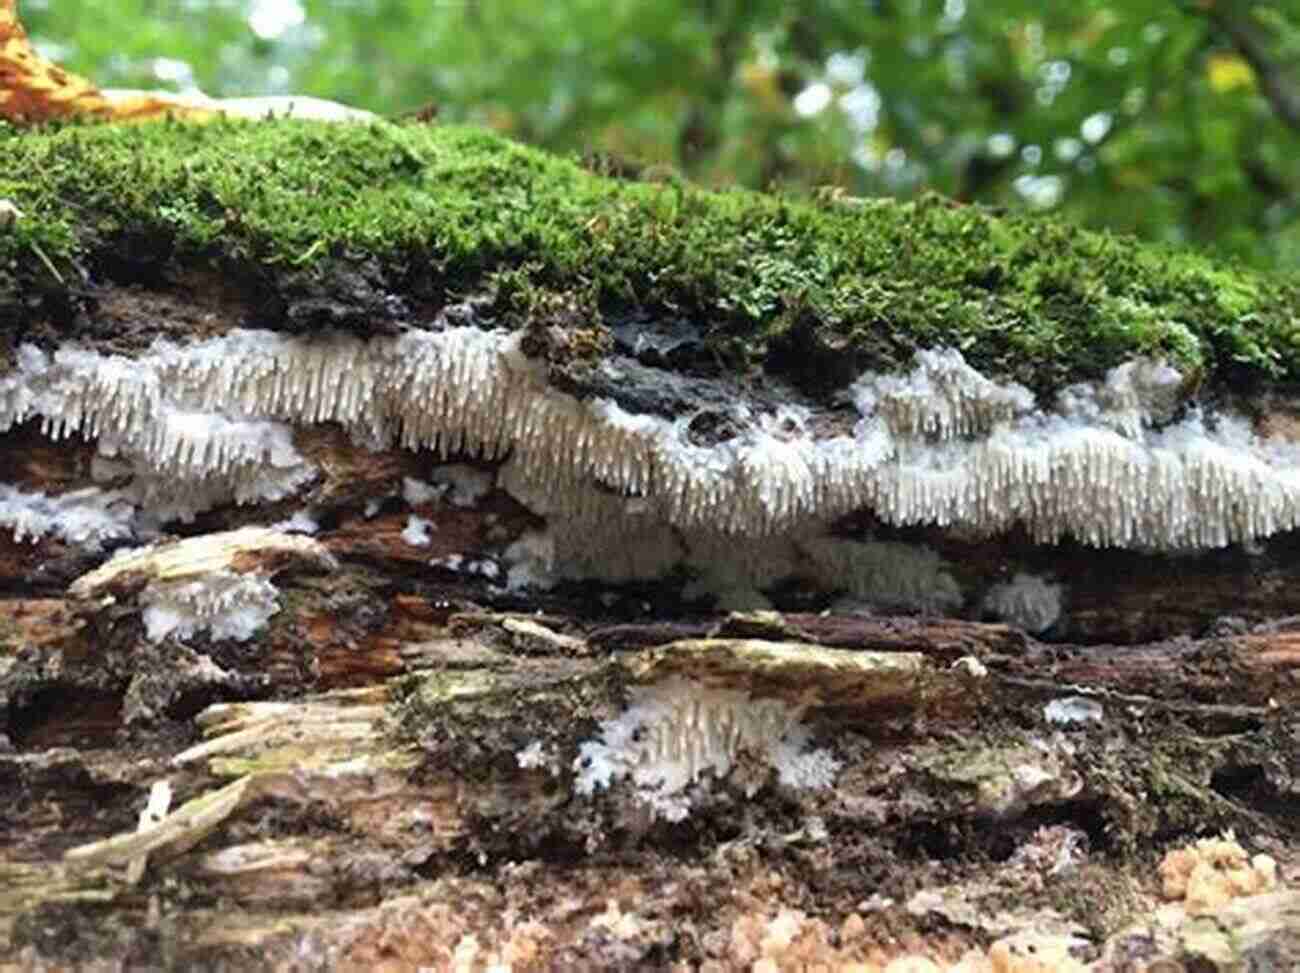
{"x": 34, "y": 90}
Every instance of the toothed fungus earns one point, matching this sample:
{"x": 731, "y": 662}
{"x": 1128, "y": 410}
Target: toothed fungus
{"x": 677, "y": 730}
{"x": 86, "y": 517}
{"x": 213, "y": 583}
{"x": 941, "y": 445}
{"x": 182, "y": 428}
{"x": 1027, "y": 601}
{"x": 223, "y": 604}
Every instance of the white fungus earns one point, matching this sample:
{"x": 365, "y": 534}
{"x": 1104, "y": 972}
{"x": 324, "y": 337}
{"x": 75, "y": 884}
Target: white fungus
{"x": 417, "y": 531}
{"x": 1073, "y": 709}
{"x": 940, "y": 445}
{"x": 887, "y": 577}
{"x": 86, "y": 517}
{"x": 466, "y": 485}
{"x": 1027, "y": 601}
{"x": 942, "y": 397}
{"x": 302, "y": 522}
{"x": 535, "y": 755}
{"x": 484, "y": 567}
{"x": 530, "y": 562}
{"x": 675, "y": 731}
{"x": 418, "y": 492}
{"x": 165, "y": 447}
{"x": 225, "y": 604}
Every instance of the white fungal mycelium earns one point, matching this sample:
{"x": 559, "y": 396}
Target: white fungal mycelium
{"x": 465, "y": 485}
{"x": 883, "y": 576}
{"x": 535, "y": 755}
{"x": 86, "y": 517}
{"x": 675, "y": 731}
{"x": 483, "y": 567}
{"x": 1074, "y": 709}
{"x": 1027, "y": 601}
{"x": 417, "y": 531}
{"x": 161, "y": 454}
{"x": 418, "y": 493}
{"x": 530, "y": 561}
{"x": 302, "y": 522}
{"x": 456, "y": 483}
{"x": 1113, "y": 463}
{"x": 942, "y": 398}
{"x": 225, "y": 604}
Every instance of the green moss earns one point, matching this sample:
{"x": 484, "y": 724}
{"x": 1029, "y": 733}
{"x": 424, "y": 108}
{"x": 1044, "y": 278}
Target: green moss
{"x": 774, "y": 279}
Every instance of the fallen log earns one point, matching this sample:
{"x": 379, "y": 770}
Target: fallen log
{"x": 456, "y": 574}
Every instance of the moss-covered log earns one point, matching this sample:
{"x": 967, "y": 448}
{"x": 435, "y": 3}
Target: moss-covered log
{"x": 416, "y": 550}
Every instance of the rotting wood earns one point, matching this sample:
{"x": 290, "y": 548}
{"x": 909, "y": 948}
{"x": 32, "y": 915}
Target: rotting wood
{"x": 391, "y": 764}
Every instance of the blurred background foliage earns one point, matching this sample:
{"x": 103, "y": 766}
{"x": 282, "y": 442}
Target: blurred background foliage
{"x": 1177, "y": 121}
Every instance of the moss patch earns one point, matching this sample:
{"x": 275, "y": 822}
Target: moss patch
{"x": 427, "y": 214}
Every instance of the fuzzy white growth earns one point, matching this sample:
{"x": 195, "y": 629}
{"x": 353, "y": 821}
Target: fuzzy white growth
{"x": 535, "y": 755}
{"x": 86, "y": 517}
{"x": 941, "y": 445}
{"x": 302, "y": 522}
{"x": 971, "y": 667}
{"x": 675, "y": 731}
{"x": 225, "y": 604}
{"x": 458, "y": 484}
{"x": 483, "y": 567}
{"x": 731, "y": 573}
{"x": 194, "y": 445}
{"x": 943, "y": 397}
{"x": 466, "y": 486}
{"x": 162, "y": 449}
{"x": 160, "y": 499}
{"x": 417, "y": 531}
{"x": 1134, "y": 395}
{"x": 531, "y": 562}
{"x": 1073, "y": 709}
{"x": 887, "y": 576}
{"x": 1027, "y": 601}
{"x": 417, "y": 492}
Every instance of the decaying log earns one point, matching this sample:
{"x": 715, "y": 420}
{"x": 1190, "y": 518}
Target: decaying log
{"x": 374, "y": 603}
